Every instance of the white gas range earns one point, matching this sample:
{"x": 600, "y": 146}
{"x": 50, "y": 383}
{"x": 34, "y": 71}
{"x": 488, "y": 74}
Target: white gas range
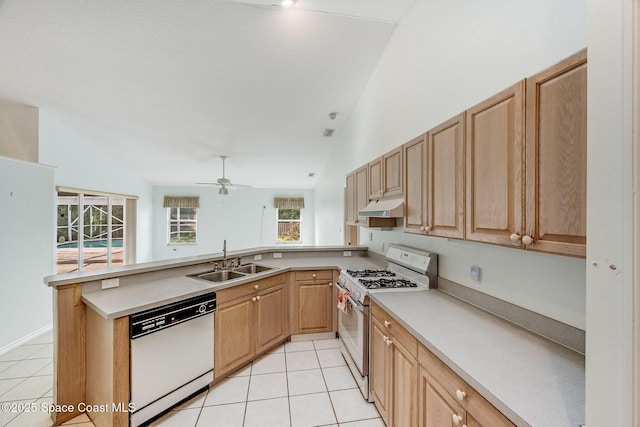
{"x": 408, "y": 270}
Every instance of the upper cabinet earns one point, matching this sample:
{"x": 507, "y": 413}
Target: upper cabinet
{"x": 392, "y": 173}
{"x": 385, "y": 175}
{"x": 375, "y": 178}
{"x": 494, "y": 167}
{"x": 357, "y": 196}
{"x": 415, "y": 185}
{"x": 445, "y": 179}
{"x": 556, "y": 158}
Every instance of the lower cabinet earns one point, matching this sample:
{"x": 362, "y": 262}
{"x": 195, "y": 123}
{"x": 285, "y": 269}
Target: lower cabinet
{"x": 249, "y": 319}
{"x": 313, "y": 302}
{"x": 393, "y": 370}
{"x": 413, "y": 387}
{"x": 445, "y": 399}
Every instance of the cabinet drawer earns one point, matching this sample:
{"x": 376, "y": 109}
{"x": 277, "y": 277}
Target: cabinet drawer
{"x": 314, "y": 275}
{"x": 229, "y": 294}
{"x": 393, "y": 328}
{"x": 476, "y": 406}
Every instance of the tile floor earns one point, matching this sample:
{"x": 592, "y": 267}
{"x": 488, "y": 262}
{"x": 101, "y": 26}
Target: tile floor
{"x": 302, "y": 383}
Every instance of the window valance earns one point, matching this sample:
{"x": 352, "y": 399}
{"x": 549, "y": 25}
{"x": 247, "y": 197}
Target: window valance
{"x": 181, "y": 202}
{"x": 288, "y": 202}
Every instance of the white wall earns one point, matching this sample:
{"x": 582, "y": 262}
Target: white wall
{"x": 27, "y": 236}
{"x": 245, "y": 217}
{"x": 446, "y": 56}
{"x": 86, "y": 163}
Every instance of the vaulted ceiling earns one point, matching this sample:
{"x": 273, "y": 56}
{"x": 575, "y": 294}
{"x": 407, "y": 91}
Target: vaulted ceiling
{"x": 171, "y": 85}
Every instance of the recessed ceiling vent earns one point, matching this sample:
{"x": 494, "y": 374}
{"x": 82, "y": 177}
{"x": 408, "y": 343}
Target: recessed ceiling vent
{"x": 328, "y": 132}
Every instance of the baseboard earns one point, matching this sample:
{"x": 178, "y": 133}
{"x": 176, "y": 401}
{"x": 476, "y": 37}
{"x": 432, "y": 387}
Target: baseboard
{"x": 7, "y": 348}
{"x": 309, "y": 337}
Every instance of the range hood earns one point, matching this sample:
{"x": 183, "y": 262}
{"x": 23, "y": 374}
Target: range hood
{"x": 384, "y": 208}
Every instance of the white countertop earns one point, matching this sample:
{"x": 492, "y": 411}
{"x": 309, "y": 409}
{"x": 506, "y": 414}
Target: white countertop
{"x": 532, "y": 380}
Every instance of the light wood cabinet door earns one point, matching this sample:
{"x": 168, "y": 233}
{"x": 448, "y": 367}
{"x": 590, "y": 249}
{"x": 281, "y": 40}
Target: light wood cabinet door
{"x": 375, "y": 178}
{"x": 392, "y": 168}
{"x": 271, "y": 317}
{"x": 556, "y": 158}
{"x": 380, "y": 369}
{"x": 362, "y": 191}
{"x": 445, "y": 179}
{"x": 234, "y": 337}
{"x": 405, "y": 386}
{"x": 351, "y": 214}
{"x": 314, "y": 308}
{"x": 436, "y": 407}
{"x": 494, "y": 170}
{"x": 415, "y": 192}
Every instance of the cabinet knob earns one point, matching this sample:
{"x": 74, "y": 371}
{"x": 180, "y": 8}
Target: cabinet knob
{"x": 527, "y": 240}
{"x": 427, "y": 228}
{"x": 456, "y": 419}
{"x": 256, "y": 287}
{"x": 254, "y": 299}
{"x": 389, "y": 342}
{"x": 313, "y": 275}
{"x": 515, "y": 238}
{"x": 258, "y": 298}
{"x": 330, "y": 284}
{"x": 387, "y": 324}
{"x": 460, "y": 395}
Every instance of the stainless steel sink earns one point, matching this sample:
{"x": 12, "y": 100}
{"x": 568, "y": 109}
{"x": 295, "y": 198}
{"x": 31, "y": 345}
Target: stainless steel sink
{"x": 251, "y": 268}
{"x": 220, "y": 276}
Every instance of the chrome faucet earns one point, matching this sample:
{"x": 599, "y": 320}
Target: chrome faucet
{"x": 224, "y": 253}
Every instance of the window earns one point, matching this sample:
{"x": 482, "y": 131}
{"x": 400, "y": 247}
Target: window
{"x": 91, "y": 230}
{"x": 288, "y": 218}
{"x": 289, "y": 225}
{"x": 182, "y": 225}
{"x": 182, "y": 213}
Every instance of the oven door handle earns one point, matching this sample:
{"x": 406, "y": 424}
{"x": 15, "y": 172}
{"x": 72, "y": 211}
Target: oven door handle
{"x": 354, "y": 304}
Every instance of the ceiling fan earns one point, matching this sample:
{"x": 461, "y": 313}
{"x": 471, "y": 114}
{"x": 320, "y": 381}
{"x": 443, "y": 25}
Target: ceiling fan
{"x": 224, "y": 183}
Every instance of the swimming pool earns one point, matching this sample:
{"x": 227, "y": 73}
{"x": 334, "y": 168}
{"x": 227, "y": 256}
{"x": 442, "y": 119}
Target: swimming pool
{"x": 98, "y": 243}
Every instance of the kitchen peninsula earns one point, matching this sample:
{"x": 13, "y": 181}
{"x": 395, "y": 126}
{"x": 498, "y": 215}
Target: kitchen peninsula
{"x": 529, "y": 379}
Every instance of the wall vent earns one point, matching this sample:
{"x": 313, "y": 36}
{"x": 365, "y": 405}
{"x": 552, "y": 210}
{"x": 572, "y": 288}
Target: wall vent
{"x": 328, "y": 132}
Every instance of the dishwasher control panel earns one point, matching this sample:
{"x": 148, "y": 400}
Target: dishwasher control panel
{"x": 156, "y": 319}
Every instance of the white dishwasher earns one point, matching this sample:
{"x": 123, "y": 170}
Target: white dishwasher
{"x": 171, "y": 355}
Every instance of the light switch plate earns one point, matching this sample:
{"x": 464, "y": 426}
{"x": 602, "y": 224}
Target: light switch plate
{"x": 346, "y": 253}
{"x": 110, "y": 283}
{"x": 277, "y": 254}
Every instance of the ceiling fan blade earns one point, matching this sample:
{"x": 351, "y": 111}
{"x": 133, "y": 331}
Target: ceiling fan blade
{"x": 208, "y": 183}
{"x": 232, "y": 186}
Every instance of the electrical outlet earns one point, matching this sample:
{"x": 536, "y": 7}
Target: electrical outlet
{"x": 257, "y": 257}
{"x": 277, "y": 254}
{"x": 110, "y": 283}
{"x": 370, "y": 237}
{"x": 346, "y": 253}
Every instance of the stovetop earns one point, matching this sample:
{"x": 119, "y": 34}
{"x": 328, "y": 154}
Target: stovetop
{"x": 370, "y": 273}
{"x": 387, "y": 283}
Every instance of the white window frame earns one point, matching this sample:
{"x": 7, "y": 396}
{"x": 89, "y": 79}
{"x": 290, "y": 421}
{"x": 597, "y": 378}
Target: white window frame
{"x": 278, "y": 221}
{"x": 178, "y": 221}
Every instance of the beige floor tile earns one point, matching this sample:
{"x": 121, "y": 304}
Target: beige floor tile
{"x": 330, "y": 358}
{"x": 22, "y": 352}
{"x": 10, "y": 413}
{"x": 301, "y": 360}
{"x": 35, "y": 418}
{"x": 305, "y": 382}
{"x": 45, "y": 352}
{"x": 338, "y": 378}
{"x": 350, "y": 406}
{"x": 243, "y": 372}
{"x": 279, "y": 349}
{"x": 47, "y": 370}
{"x": 269, "y": 364}
{"x": 270, "y": 412}
{"x": 374, "y": 422}
{"x": 25, "y": 368}
{"x": 268, "y": 386}
{"x": 231, "y": 390}
{"x": 231, "y": 415}
{"x": 80, "y": 419}
{"x": 6, "y": 365}
{"x": 325, "y": 344}
{"x": 292, "y": 346}
{"x": 31, "y": 388}
{"x": 6, "y": 386}
{"x": 311, "y": 410}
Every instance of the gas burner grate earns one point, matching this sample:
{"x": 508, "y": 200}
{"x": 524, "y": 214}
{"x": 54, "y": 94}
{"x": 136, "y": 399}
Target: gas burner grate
{"x": 387, "y": 283}
{"x": 370, "y": 273}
